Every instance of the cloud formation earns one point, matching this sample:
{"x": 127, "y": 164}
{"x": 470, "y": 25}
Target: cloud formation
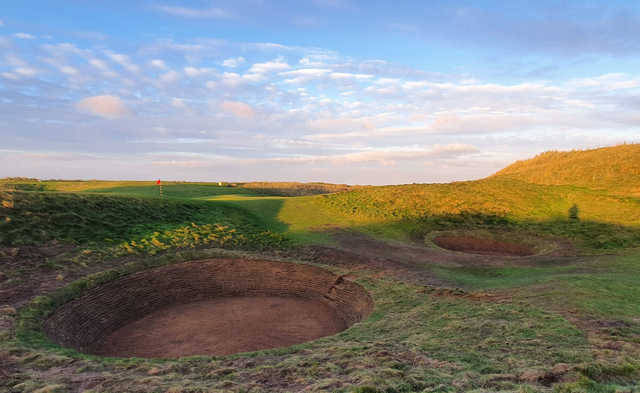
{"x": 24, "y": 36}
{"x": 238, "y": 109}
{"x": 211, "y": 12}
{"x": 272, "y": 111}
{"x": 107, "y": 106}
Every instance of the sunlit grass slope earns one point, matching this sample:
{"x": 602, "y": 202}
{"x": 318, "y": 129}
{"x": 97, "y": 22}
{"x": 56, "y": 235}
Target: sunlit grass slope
{"x": 612, "y": 169}
{"x": 602, "y": 216}
{"x": 603, "y": 220}
{"x": 304, "y": 219}
{"x": 498, "y": 197}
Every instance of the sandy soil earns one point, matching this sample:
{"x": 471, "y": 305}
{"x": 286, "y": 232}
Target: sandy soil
{"x": 221, "y": 327}
{"x": 483, "y": 246}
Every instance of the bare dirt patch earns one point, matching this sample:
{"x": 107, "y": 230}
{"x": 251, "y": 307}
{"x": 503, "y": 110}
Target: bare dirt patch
{"x": 481, "y": 246}
{"x": 222, "y": 327}
{"x": 209, "y": 307}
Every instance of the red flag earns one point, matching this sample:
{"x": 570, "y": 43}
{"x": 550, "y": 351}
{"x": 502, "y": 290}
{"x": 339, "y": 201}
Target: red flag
{"x": 158, "y": 182}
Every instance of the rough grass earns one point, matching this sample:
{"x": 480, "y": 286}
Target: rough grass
{"x": 604, "y": 221}
{"x": 506, "y": 333}
{"x": 611, "y": 169}
{"x": 29, "y": 217}
{"x": 295, "y": 188}
{"x": 413, "y": 341}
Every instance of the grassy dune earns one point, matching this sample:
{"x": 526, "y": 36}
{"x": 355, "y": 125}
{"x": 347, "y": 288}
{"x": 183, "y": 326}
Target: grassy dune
{"x": 611, "y": 169}
{"x": 603, "y": 221}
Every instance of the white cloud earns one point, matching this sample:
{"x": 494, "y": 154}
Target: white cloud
{"x": 14, "y": 60}
{"x": 66, "y": 48}
{"x": 268, "y": 67}
{"x": 304, "y": 75}
{"x": 340, "y": 124}
{"x": 65, "y": 69}
{"x": 158, "y": 64}
{"x": 26, "y": 71}
{"x": 233, "y": 62}
{"x": 238, "y": 109}
{"x": 231, "y": 79}
{"x": 347, "y": 75}
{"x": 123, "y": 60}
{"x": 195, "y": 72}
{"x": 9, "y": 75}
{"x": 24, "y": 36}
{"x": 387, "y": 157}
{"x": 194, "y": 12}
{"x": 106, "y": 106}
{"x": 103, "y": 67}
{"x": 170, "y": 77}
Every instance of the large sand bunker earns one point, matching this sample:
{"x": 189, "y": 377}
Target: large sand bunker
{"x": 209, "y": 307}
{"x": 475, "y": 245}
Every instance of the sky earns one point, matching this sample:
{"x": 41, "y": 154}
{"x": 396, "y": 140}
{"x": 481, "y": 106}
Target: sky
{"x": 340, "y": 91}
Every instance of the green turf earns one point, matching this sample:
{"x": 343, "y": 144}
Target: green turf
{"x": 415, "y": 340}
{"x": 36, "y": 217}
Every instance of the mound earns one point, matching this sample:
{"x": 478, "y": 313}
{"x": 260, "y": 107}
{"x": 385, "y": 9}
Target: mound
{"x": 476, "y": 245}
{"x": 615, "y": 169}
{"x": 210, "y": 307}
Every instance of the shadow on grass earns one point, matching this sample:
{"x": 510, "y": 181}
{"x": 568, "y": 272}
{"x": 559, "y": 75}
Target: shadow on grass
{"x": 171, "y": 190}
{"x": 33, "y": 218}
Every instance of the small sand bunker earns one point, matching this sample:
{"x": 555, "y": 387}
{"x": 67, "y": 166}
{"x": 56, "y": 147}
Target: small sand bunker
{"x": 475, "y": 245}
{"x": 211, "y": 307}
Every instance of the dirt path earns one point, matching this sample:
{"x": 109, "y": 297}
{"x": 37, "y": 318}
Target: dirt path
{"x": 223, "y": 326}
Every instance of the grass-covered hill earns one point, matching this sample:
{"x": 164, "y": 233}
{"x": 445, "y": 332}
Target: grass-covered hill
{"x": 131, "y": 217}
{"x": 594, "y": 218}
{"x": 589, "y": 196}
{"x": 613, "y": 169}
{"x": 598, "y": 213}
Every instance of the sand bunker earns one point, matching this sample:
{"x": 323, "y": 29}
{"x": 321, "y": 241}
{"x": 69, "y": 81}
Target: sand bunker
{"x": 211, "y": 307}
{"x": 476, "y": 245}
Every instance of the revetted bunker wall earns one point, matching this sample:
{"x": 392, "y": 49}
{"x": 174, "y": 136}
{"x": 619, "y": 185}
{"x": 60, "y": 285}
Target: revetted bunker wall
{"x": 85, "y": 320}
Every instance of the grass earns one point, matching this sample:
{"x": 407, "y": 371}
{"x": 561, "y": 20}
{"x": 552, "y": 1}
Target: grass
{"x": 506, "y": 331}
{"x": 37, "y": 217}
{"x": 303, "y": 219}
{"x": 406, "y": 344}
{"x": 604, "y": 287}
{"x": 412, "y": 211}
{"x": 295, "y": 188}
{"x": 612, "y": 169}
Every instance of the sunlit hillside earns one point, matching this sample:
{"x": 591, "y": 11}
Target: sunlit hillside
{"x": 614, "y": 169}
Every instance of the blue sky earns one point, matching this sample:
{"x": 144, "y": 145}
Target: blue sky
{"x": 362, "y": 92}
